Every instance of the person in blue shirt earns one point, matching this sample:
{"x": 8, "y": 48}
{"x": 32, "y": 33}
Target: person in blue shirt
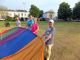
{"x": 30, "y": 22}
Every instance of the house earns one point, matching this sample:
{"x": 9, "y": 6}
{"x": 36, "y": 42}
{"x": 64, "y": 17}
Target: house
{"x": 49, "y": 14}
{"x": 12, "y": 13}
{"x": 20, "y": 13}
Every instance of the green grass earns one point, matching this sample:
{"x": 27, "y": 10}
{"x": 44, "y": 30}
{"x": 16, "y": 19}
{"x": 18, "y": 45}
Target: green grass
{"x": 67, "y": 39}
{"x": 12, "y": 23}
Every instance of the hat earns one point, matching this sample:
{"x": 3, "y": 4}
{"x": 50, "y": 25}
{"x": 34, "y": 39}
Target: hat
{"x": 51, "y": 21}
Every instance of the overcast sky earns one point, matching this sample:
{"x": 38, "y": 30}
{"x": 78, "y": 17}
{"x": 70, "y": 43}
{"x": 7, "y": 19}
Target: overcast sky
{"x": 42, "y": 4}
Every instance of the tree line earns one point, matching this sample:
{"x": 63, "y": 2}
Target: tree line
{"x": 68, "y": 14}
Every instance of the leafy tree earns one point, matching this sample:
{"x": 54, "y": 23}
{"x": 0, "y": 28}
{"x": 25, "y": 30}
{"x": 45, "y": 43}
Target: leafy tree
{"x": 34, "y": 11}
{"x": 76, "y": 11}
{"x": 64, "y": 11}
{"x": 41, "y": 13}
{"x": 8, "y": 18}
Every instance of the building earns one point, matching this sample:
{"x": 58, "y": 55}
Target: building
{"x": 13, "y": 13}
{"x": 20, "y": 13}
{"x": 49, "y": 14}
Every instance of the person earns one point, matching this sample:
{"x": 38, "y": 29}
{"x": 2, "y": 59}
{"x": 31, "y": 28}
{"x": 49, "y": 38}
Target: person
{"x": 49, "y": 39}
{"x": 18, "y": 22}
{"x": 30, "y": 22}
{"x": 35, "y": 26}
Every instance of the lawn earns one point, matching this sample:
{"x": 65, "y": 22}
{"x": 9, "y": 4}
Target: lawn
{"x": 67, "y": 39}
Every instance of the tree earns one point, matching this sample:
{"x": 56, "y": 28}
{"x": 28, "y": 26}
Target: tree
{"x": 34, "y": 11}
{"x": 64, "y": 11}
{"x": 76, "y": 11}
{"x": 41, "y": 13}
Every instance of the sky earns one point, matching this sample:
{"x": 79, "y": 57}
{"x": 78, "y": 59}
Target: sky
{"x": 44, "y": 5}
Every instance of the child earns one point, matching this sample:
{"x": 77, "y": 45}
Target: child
{"x": 35, "y": 26}
{"x": 30, "y": 22}
{"x": 18, "y": 22}
{"x": 49, "y": 36}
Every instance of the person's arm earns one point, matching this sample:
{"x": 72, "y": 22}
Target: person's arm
{"x": 16, "y": 23}
{"x": 37, "y": 29}
{"x": 43, "y": 34}
{"x": 50, "y": 35}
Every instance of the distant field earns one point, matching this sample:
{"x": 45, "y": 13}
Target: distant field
{"x": 67, "y": 39}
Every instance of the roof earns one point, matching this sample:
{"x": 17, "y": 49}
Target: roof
{"x": 15, "y": 10}
{"x": 50, "y": 11}
{"x": 18, "y": 10}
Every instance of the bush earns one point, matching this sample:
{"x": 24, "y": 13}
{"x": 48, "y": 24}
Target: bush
{"x": 7, "y": 24}
{"x": 9, "y": 18}
{"x": 22, "y": 19}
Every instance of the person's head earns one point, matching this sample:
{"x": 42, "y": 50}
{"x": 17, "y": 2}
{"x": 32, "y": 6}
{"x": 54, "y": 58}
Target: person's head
{"x": 17, "y": 18}
{"x": 51, "y": 23}
{"x": 31, "y": 17}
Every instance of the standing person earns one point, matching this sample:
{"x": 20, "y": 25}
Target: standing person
{"x": 49, "y": 39}
{"x": 18, "y": 22}
{"x": 30, "y": 22}
{"x": 35, "y": 26}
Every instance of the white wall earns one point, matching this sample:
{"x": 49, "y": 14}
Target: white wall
{"x": 20, "y": 14}
{"x": 47, "y": 15}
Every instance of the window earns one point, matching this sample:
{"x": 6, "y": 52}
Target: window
{"x": 25, "y": 14}
{"x": 21, "y": 14}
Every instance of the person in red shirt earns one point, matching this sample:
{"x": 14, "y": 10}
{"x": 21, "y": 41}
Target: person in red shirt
{"x": 35, "y": 26}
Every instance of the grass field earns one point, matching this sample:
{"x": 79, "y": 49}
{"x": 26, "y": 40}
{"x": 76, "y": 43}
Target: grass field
{"x": 67, "y": 39}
